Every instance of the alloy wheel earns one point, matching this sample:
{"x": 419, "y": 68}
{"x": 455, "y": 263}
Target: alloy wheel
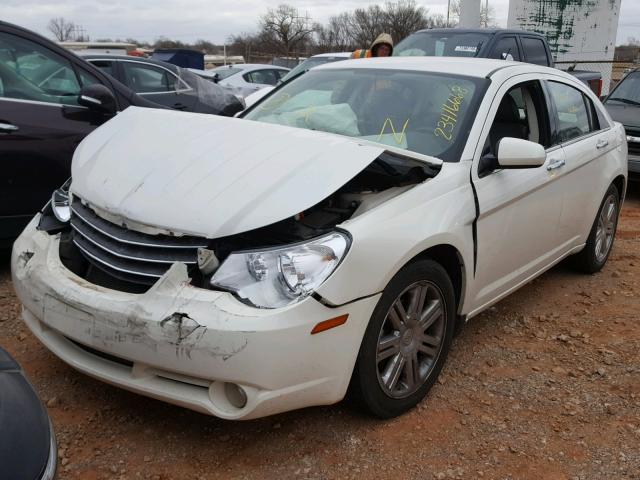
{"x": 606, "y": 228}
{"x": 410, "y": 339}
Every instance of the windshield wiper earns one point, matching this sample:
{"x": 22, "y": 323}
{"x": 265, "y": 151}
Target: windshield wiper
{"x": 624, "y": 100}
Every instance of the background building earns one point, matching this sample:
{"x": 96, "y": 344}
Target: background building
{"x": 577, "y": 30}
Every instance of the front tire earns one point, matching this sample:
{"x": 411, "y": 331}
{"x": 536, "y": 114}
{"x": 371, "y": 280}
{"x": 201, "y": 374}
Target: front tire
{"x": 407, "y": 340}
{"x": 600, "y": 241}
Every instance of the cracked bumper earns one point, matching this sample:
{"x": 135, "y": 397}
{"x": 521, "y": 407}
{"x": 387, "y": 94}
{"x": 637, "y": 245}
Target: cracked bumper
{"x": 182, "y": 344}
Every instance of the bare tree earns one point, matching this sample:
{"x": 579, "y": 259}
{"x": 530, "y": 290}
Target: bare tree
{"x": 61, "y": 29}
{"x": 633, "y": 41}
{"x": 488, "y": 16}
{"x": 336, "y": 35}
{"x": 286, "y": 28}
{"x": 437, "y": 20}
{"x": 366, "y": 25}
{"x": 403, "y": 18}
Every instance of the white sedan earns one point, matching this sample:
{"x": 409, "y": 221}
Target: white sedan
{"x": 334, "y": 238}
{"x": 243, "y": 79}
{"x": 308, "y": 64}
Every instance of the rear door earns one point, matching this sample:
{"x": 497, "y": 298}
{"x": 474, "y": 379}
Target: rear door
{"x": 587, "y": 140}
{"x": 41, "y": 123}
{"x": 258, "y": 79}
{"x": 158, "y": 84}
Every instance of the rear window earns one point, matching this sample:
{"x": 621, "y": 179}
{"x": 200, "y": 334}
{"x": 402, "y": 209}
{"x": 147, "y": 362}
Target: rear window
{"x": 441, "y": 44}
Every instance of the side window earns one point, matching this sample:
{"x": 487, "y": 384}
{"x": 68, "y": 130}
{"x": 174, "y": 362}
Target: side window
{"x": 506, "y": 49}
{"x": 534, "y": 51}
{"x": 573, "y": 118}
{"x": 280, "y": 74}
{"x": 142, "y": 78}
{"x": 107, "y": 66}
{"x": 267, "y": 77}
{"x": 86, "y": 78}
{"x": 521, "y": 114}
{"x": 29, "y": 71}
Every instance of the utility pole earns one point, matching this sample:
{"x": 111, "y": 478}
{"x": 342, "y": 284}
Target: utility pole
{"x": 448, "y": 11}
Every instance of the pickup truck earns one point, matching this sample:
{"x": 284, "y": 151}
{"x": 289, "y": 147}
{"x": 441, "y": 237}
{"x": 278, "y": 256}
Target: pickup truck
{"x": 518, "y": 45}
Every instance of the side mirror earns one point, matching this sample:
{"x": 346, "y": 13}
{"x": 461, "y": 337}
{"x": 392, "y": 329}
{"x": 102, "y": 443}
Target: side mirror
{"x": 216, "y": 78}
{"x": 513, "y": 153}
{"x": 518, "y": 153}
{"x": 98, "y": 98}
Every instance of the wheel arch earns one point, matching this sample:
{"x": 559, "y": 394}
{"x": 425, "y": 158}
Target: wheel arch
{"x": 449, "y": 258}
{"x": 620, "y": 183}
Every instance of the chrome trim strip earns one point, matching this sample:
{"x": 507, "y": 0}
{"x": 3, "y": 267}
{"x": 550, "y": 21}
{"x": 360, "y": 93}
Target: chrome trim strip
{"x": 131, "y": 242}
{"x": 119, "y": 269}
{"x": 47, "y": 104}
{"x": 128, "y": 257}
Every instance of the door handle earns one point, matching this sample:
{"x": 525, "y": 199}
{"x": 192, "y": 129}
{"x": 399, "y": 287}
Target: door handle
{"x": 7, "y": 127}
{"x": 557, "y": 163}
{"x": 601, "y": 144}
{"x": 179, "y": 106}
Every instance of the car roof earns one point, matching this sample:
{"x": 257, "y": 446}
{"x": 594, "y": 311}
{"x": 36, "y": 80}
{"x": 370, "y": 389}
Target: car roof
{"x": 131, "y": 58}
{"x": 335, "y": 54}
{"x": 249, "y": 66}
{"x": 470, "y": 67}
{"x": 490, "y": 31}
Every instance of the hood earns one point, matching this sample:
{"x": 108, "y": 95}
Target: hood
{"x": 382, "y": 38}
{"x": 628, "y": 115}
{"x": 204, "y": 175}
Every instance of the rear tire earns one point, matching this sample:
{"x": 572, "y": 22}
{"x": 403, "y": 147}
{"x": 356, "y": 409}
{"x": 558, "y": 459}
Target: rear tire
{"x": 600, "y": 241}
{"x": 407, "y": 340}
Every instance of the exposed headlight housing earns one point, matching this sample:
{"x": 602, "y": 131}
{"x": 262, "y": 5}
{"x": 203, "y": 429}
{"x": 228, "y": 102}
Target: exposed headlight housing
{"x": 278, "y": 277}
{"x": 60, "y": 202}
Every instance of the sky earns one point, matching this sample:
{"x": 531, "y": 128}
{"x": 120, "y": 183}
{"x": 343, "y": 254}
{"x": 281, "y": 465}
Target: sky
{"x": 213, "y": 20}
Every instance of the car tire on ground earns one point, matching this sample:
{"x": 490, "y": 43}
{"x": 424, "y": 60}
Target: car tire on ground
{"x": 600, "y": 240}
{"x": 407, "y": 340}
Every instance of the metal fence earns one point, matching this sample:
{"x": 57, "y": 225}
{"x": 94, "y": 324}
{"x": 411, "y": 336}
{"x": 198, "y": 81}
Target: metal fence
{"x": 611, "y": 71}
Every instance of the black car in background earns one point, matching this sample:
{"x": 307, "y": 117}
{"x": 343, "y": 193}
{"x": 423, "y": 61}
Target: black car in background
{"x": 50, "y": 99}
{"x": 167, "y": 84}
{"x": 27, "y": 440}
{"x": 623, "y": 104}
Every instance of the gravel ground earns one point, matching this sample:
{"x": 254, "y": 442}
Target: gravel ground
{"x": 546, "y": 385}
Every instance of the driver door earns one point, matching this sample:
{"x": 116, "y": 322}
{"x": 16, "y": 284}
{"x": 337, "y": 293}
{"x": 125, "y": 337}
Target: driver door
{"x": 519, "y": 210}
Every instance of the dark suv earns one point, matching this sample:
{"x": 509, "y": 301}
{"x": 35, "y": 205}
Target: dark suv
{"x": 623, "y": 104}
{"x": 50, "y": 99}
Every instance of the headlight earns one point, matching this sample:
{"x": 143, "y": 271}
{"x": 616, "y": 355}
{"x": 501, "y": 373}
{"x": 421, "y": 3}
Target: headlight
{"x": 281, "y": 276}
{"x": 60, "y": 204}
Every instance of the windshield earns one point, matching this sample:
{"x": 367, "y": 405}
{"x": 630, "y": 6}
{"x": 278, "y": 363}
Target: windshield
{"x": 628, "y": 91}
{"x": 425, "y": 112}
{"x": 310, "y": 63}
{"x": 441, "y": 44}
{"x": 225, "y": 71}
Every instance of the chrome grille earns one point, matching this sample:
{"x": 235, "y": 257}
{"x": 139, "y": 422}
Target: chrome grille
{"x": 634, "y": 147}
{"x": 125, "y": 254}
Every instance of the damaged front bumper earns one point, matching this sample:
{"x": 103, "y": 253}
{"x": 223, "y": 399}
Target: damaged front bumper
{"x": 187, "y": 345}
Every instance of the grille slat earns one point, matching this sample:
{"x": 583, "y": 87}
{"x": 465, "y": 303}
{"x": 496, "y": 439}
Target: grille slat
{"x": 125, "y": 254}
{"x": 130, "y": 251}
{"x": 125, "y": 235}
